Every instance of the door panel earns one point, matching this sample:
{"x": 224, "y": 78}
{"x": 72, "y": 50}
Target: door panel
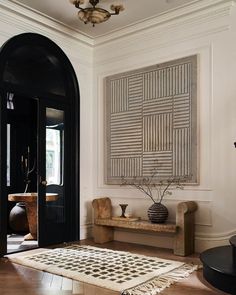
{"x": 54, "y": 175}
{"x": 54, "y": 171}
{"x": 3, "y": 176}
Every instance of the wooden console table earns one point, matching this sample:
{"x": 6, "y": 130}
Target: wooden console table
{"x": 183, "y": 229}
{"x": 30, "y": 200}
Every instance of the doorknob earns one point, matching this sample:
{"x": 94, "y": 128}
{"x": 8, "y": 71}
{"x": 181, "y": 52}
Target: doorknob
{"x": 44, "y": 182}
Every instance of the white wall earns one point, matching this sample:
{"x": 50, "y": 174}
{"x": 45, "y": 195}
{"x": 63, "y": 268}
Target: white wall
{"x": 209, "y": 31}
{"x": 206, "y": 28}
{"x": 80, "y": 53}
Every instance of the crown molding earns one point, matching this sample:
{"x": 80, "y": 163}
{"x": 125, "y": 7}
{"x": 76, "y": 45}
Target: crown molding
{"x": 13, "y": 9}
{"x": 163, "y": 39}
{"x": 196, "y": 10}
{"x": 203, "y": 10}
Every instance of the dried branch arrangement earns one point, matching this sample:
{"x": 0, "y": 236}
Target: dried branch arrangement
{"x": 155, "y": 191}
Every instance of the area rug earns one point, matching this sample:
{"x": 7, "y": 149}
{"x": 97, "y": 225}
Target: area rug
{"x": 127, "y": 273}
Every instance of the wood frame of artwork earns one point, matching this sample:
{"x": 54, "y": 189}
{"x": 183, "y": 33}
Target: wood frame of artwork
{"x": 151, "y": 122}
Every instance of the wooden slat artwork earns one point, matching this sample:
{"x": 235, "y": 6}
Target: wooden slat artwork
{"x": 151, "y": 122}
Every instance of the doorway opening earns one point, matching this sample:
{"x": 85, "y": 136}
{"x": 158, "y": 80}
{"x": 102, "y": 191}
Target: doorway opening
{"x": 39, "y": 145}
{"x": 21, "y": 171}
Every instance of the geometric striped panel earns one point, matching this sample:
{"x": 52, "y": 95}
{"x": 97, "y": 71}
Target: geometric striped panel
{"x": 181, "y": 152}
{"x": 135, "y": 92}
{"x": 126, "y": 134}
{"x": 158, "y": 106}
{"x": 167, "y": 81}
{"x": 157, "y": 132}
{"x": 127, "y": 167}
{"x": 151, "y": 122}
{"x": 160, "y": 161}
{"x": 182, "y": 112}
{"x": 119, "y": 95}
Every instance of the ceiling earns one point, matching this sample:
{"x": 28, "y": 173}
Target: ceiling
{"x": 135, "y": 11}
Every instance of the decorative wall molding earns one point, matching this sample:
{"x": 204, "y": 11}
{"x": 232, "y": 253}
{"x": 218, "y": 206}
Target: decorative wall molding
{"x": 18, "y": 23}
{"x": 165, "y": 41}
{"x": 203, "y": 194}
{"x": 214, "y": 239}
{"x": 186, "y": 15}
{"x": 130, "y": 195}
{"x": 201, "y": 243}
{"x": 166, "y": 241}
{"x": 20, "y": 10}
{"x": 203, "y": 11}
{"x": 223, "y": 236}
{"x": 205, "y": 112}
{"x": 139, "y": 207}
{"x": 102, "y": 59}
{"x": 163, "y": 36}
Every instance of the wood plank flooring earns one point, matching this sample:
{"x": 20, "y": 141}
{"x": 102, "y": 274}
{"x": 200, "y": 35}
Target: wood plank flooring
{"x": 19, "y": 280}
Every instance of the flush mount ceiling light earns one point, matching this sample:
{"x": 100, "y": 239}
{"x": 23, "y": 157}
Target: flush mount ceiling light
{"x": 95, "y": 15}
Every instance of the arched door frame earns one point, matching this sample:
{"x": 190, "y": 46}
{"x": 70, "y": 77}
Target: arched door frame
{"x": 70, "y": 96}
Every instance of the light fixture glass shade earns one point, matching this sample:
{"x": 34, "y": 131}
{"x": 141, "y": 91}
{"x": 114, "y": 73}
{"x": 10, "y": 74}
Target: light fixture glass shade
{"x": 94, "y": 16}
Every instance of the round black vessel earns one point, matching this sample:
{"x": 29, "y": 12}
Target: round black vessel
{"x": 219, "y": 268}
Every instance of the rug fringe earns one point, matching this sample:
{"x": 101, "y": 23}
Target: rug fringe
{"x": 158, "y": 284}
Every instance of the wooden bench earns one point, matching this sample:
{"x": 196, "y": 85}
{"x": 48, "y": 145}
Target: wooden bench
{"x": 183, "y": 229}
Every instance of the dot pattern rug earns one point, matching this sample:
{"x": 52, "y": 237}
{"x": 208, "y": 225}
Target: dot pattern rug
{"x": 130, "y": 274}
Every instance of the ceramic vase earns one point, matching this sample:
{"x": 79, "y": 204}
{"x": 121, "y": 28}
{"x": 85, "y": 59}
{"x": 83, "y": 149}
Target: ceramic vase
{"x": 18, "y": 219}
{"x": 157, "y": 213}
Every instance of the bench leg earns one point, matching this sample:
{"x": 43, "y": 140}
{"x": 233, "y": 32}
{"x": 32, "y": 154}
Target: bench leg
{"x": 184, "y": 238}
{"x": 102, "y": 234}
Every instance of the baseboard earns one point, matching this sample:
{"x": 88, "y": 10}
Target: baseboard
{"x": 86, "y": 231}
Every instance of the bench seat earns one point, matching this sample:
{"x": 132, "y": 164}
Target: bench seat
{"x": 183, "y": 229}
{"x": 139, "y": 225}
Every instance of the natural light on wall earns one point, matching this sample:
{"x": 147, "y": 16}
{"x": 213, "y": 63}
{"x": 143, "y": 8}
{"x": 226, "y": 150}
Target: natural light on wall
{"x": 8, "y": 154}
{"x": 53, "y": 156}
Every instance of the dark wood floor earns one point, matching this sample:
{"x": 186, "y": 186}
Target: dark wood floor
{"x": 20, "y": 280}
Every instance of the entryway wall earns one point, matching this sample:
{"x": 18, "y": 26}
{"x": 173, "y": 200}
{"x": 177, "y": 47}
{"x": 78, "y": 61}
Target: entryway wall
{"x": 80, "y": 55}
{"x": 208, "y": 29}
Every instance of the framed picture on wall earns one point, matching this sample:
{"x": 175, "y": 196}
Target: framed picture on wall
{"x": 151, "y": 122}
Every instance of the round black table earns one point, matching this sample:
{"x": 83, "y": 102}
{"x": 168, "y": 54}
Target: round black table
{"x": 219, "y": 268}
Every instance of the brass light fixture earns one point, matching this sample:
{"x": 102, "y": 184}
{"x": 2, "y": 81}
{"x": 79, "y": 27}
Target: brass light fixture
{"x": 95, "y": 15}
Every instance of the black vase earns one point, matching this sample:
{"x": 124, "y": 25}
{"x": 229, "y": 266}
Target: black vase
{"x": 18, "y": 219}
{"x": 157, "y": 213}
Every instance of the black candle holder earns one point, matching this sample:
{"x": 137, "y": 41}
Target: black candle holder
{"x": 123, "y": 208}
{"x": 26, "y": 168}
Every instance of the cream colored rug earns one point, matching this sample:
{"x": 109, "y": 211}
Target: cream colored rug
{"x": 130, "y": 274}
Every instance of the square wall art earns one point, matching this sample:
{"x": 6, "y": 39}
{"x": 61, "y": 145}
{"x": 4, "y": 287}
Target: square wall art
{"x": 151, "y": 122}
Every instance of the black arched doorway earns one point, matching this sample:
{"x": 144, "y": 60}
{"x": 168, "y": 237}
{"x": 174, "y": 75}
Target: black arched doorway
{"x": 39, "y": 140}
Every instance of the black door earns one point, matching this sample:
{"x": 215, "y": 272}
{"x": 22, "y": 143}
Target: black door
{"x": 34, "y": 67}
{"x": 54, "y": 173}
{"x": 3, "y": 176}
